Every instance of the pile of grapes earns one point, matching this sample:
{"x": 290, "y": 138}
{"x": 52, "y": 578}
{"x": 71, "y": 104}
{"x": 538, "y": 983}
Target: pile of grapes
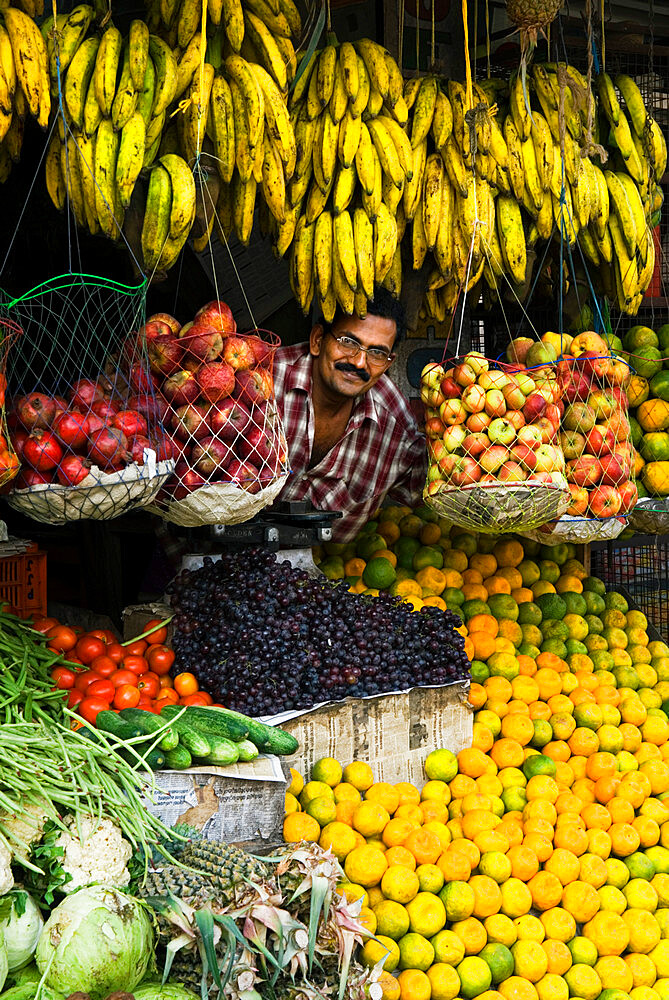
{"x": 262, "y": 637}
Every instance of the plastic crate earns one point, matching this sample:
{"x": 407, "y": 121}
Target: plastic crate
{"x": 23, "y": 580}
{"x": 641, "y": 567}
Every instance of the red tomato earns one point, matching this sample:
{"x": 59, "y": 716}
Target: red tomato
{"x": 74, "y": 659}
{"x": 88, "y": 647}
{"x": 208, "y": 698}
{"x": 160, "y": 659}
{"x": 90, "y": 707}
{"x": 194, "y": 699}
{"x": 109, "y": 636}
{"x": 115, "y": 651}
{"x": 165, "y": 681}
{"x": 62, "y": 639}
{"x": 85, "y": 679}
{"x": 159, "y": 635}
{"x": 101, "y": 689}
{"x": 123, "y": 677}
{"x": 74, "y": 698}
{"x": 135, "y": 648}
{"x": 148, "y": 704}
{"x": 186, "y": 684}
{"x": 149, "y": 685}
{"x": 167, "y": 696}
{"x": 135, "y": 663}
{"x": 44, "y": 625}
{"x": 63, "y": 678}
{"x": 99, "y": 633}
{"x": 126, "y": 696}
{"x": 103, "y": 665}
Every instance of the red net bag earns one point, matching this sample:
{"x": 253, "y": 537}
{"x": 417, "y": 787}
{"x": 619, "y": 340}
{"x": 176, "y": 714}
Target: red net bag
{"x": 495, "y": 461}
{"x": 9, "y": 462}
{"x": 595, "y": 436}
{"x": 227, "y": 436}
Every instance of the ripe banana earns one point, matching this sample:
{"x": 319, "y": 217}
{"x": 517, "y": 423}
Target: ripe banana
{"x": 130, "y": 156}
{"x": 106, "y": 69}
{"x": 157, "y": 213}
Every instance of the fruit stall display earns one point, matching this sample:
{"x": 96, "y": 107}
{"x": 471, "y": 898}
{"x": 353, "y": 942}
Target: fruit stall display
{"x": 535, "y": 863}
{"x": 648, "y": 393}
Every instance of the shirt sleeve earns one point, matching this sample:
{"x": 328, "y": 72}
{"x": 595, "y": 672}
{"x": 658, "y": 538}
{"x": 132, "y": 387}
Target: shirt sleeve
{"x": 408, "y": 487}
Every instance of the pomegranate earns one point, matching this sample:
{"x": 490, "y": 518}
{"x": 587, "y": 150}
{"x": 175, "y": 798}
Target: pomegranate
{"x": 109, "y": 448}
{"x": 42, "y": 450}
{"x": 84, "y": 393}
{"x": 105, "y": 409}
{"x": 28, "y": 478}
{"x": 153, "y": 407}
{"x": 36, "y": 410}
{"x": 95, "y": 424}
{"x": 137, "y": 445}
{"x": 72, "y": 429}
{"x": 141, "y": 381}
{"x": 130, "y": 422}
{"x": 18, "y": 439}
{"x": 73, "y": 470}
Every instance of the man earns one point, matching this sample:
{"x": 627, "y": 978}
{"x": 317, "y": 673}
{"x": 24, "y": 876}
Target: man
{"x": 352, "y": 439}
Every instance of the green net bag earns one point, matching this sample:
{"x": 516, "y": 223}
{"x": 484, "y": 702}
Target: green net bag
{"x": 83, "y": 412}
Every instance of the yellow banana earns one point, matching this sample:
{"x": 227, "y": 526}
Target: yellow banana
{"x": 330, "y": 145}
{"x": 165, "y": 66}
{"x": 622, "y": 209}
{"x": 515, "y": 161}
{"x": 188, "y": 21}
{"x": 455, "y": 167}
{"x": 424, "y": 110}
{"x": 498, "y": 148}
{"x": 106, "y": 69}
{"x": 363, "y": 235}
{"x": 402, "y": 144}
{"x": 656, "y": 146}
{"x": 106, "y": 152}
{"x": 273, "y": 18}
{"x": 605, "y": 244}
{"x": 277, "y": 118}
{"x": 7, "y": 60}
{"x": 264, "y": 42}
{"x": 182, "y": 211}
{"x": 323, "y": 242}
{"x": 125, "y": 98}
{"x": 325, "y": 74}
{"x": 371, "y": 201}
{"x": 519, "y": 109}
{"x": 344, "y": 294}
{"x": 273, "y": 181}
{"x": 286, "y": 232}
{"x": 633, "y": 101}
{"x": 511, "y": 238}
{"x": 317, "y": 199}
{"x": 533, "y": 181}
{"x": 92, "y": 110}
{"x": 344, "y": 247}
{"x": 339, "y": 99}
{"x": 411, "y": 88}
{"x": 443, "y": 248}
{"x": 350, "y": 131}
{"x": 222, "y": 124}
{"x": 543, "y": 149}
{"x": 390, "y": 194}
{"x": 413, "y": 188}
{"x": 86, "y": 150}
{"x": 156, "y": 226}
{"x": 358, "y": 103}
{"x": 395, "y": 81}
{"x": 393, "y": 278}
{"x": 374, "y": 57}
{"x": 62, "y": 45}
{"x": 386, "y": 150}
{"x": 138, "y": 46}
{"x": 78, "y": 79}
{"x": 130, "y": 156}
{"x": 243, "y": 205}
{"x": 305, "y": 129}
{"x": 608, "y": 98}
{"x": 196, "y": 115}
{"x": 30, "y": 61}
{"x": 348, "y": 60}
{"x": 432, "y": 197}
{"x": 55, "y": 181}
{"x": 636, "y": 206}
{"x": 314, "y": 103}
{"x": 385, "y": 242}
{"x": 364, "y": 162}
{"x": 345, "y": 184}
{"x": 71, "y": 171}
{"x": 188, "y": 64}
{"x": 243, "y": 74}
{"x": 301, "y": 87}
{"x": 155, "y": 140}
{"x": 303, "y": 257}
{"x": 442, "y": 120}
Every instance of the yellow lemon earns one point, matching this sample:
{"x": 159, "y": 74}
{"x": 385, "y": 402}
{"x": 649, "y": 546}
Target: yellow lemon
{"x": 327, "y": 769}
{"x": 380, "y": 948}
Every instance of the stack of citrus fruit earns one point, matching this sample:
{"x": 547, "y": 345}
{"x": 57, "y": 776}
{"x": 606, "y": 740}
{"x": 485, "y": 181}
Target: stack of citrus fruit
{"x": 535, "y": 864}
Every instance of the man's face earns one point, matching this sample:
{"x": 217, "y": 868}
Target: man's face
{"x": 342, "y": 371}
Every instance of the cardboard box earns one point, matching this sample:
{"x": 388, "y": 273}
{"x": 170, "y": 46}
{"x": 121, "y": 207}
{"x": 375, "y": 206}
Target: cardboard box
{"x": 392, "y": 732}
{"x": 242, "y": 804}
{"x": 135, "y": 617}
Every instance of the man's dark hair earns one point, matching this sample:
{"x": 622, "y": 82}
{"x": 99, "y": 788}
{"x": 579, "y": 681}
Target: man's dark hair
{"x": 385, "y": 305}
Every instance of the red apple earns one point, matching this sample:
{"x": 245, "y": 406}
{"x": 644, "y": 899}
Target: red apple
{"x": 546, "y": 429}
{"x": 464, "y": 375}
{"x": 517, "y": 350}
{"x": 628, "y": 496}
{"x": 618, "y": 373}
{"x": 579, "y": 417}
{"x": 453, "y": 437}
{"x": 605, "y": 501}
{"x": 218, "y": 315}
{"x": 141, "y": 380}
{"x": 493, "y": 379}
{"x": 434, "y": 428}
{"x": 525, "y": 455}
{"x": 535, "y": 407}
{"x": 216, "y": 380}
{"x": 501, "y": 431}
{"x": 167, "y": 318}
{"x": 262, "y": 351}
{"x": 181, "y": 388}
{"x": 202, "y": 341}
{"x": 515, "y": 418}
{"x": 167, "y": 447}
{"x": 588, "y": 341}
{"x": 511, "y": 472}
{"x": 619, "y": 425}
{"x": 35, "y": 410}
{"x": 71, "y": 429}
{"x": 613, "y": 470}
{"x": 466, "y": 472}
{"x": 450, "y": 388}
{"x": 238, "y": 353}
{"x": 187, "y": 479}
{"x": 477, "y": 422}
{"x": 473, "y": 399}
{"x": 576, "y": 387}
{"x": 599, "y": 441}
{"x": 530, "y": 435}
{"x": 254, "y": 386}
{"x": 190, "y": 421}
{"x": 42, "y": 450}
{"x": 493, "y": 458}
{"x": 514, "y": 396}
{"x": 475, "y": 444}
{"x": 156, "y": 326}
{"x": 602, "y": 403}
{"x": 255, "y": 446}
{"x": 152, "y": 406}
{"x": 584, "y": 471}
{"x": 573, "y": 444}
{"x": 165, "y": 354}
{"x": 495, "y": 404}
{"x": 243, "y": 474}
{"x": 548, "y": 458}
{"x": 579, "y": 499}
{"x": 211, "y": 455}
{"x": 452, "y": 412}
{"x": 72, "y": 470}
{"x": 230, "y": 419}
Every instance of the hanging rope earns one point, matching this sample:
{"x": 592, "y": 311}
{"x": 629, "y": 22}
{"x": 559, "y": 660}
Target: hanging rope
{"x": 487, "y": 38}
{"x": 468, "y": 66}
{"x": 601, "y": 18}
{"x": 432, "y": 36}
{"x": 400, "y": 34}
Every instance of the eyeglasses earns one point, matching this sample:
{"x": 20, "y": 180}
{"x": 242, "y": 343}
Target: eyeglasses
{"x": 351, "y": 348}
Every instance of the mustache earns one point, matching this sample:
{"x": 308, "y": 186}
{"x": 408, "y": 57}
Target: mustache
{"x": 352, "y": 370}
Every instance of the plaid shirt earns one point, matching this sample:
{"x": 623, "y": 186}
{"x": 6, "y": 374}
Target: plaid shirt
{"x": 382, "y": 452}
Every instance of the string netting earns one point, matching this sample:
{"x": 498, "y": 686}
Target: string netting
{"x": 494, "y": 458}
{"x": 221, "y": 416}
{"x": 9, "y": 462}
{"x": 83, "y": 412}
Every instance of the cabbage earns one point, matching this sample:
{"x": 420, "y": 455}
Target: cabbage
{"x": 4, "y": 965}
{"x": 163, "y": 991}
{"x": 21, "y": 922}
{"x": 97, "y": 941}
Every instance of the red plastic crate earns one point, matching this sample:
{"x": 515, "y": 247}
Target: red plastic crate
{"x": 23, "y": 581}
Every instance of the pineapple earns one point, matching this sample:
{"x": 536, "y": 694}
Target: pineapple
{"x": 531, "y": 17}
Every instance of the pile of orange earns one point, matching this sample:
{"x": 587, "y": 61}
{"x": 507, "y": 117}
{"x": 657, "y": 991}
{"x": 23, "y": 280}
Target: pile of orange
{"x": 534, "y": 865}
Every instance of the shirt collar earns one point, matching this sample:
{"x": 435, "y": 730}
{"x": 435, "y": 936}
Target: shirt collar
{"x": 299, "y": 376}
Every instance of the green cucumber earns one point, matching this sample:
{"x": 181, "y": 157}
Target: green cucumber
{"x": 223, "y": 752}
{"x": 268, "y": 739}
{"x": 247, "y": 750}
{"x": 178, "y": 759}
{"x": 110, "y": 722}
{"x": 154, "y": 759}
{"x": 192, "y": 739}
{"x": 211, "y": 723}
{"x": 149, "y": 723}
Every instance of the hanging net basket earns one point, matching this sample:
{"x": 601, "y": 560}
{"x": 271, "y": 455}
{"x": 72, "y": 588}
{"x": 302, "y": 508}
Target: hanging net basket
{"x": 650, "y": 516}
{"x": 9, "y": 462}
{"x": 495, "y": 462}
{"x": 226, "y": 431}
{"x": 579, "y": 530}
{"x": 82, "y": 409}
